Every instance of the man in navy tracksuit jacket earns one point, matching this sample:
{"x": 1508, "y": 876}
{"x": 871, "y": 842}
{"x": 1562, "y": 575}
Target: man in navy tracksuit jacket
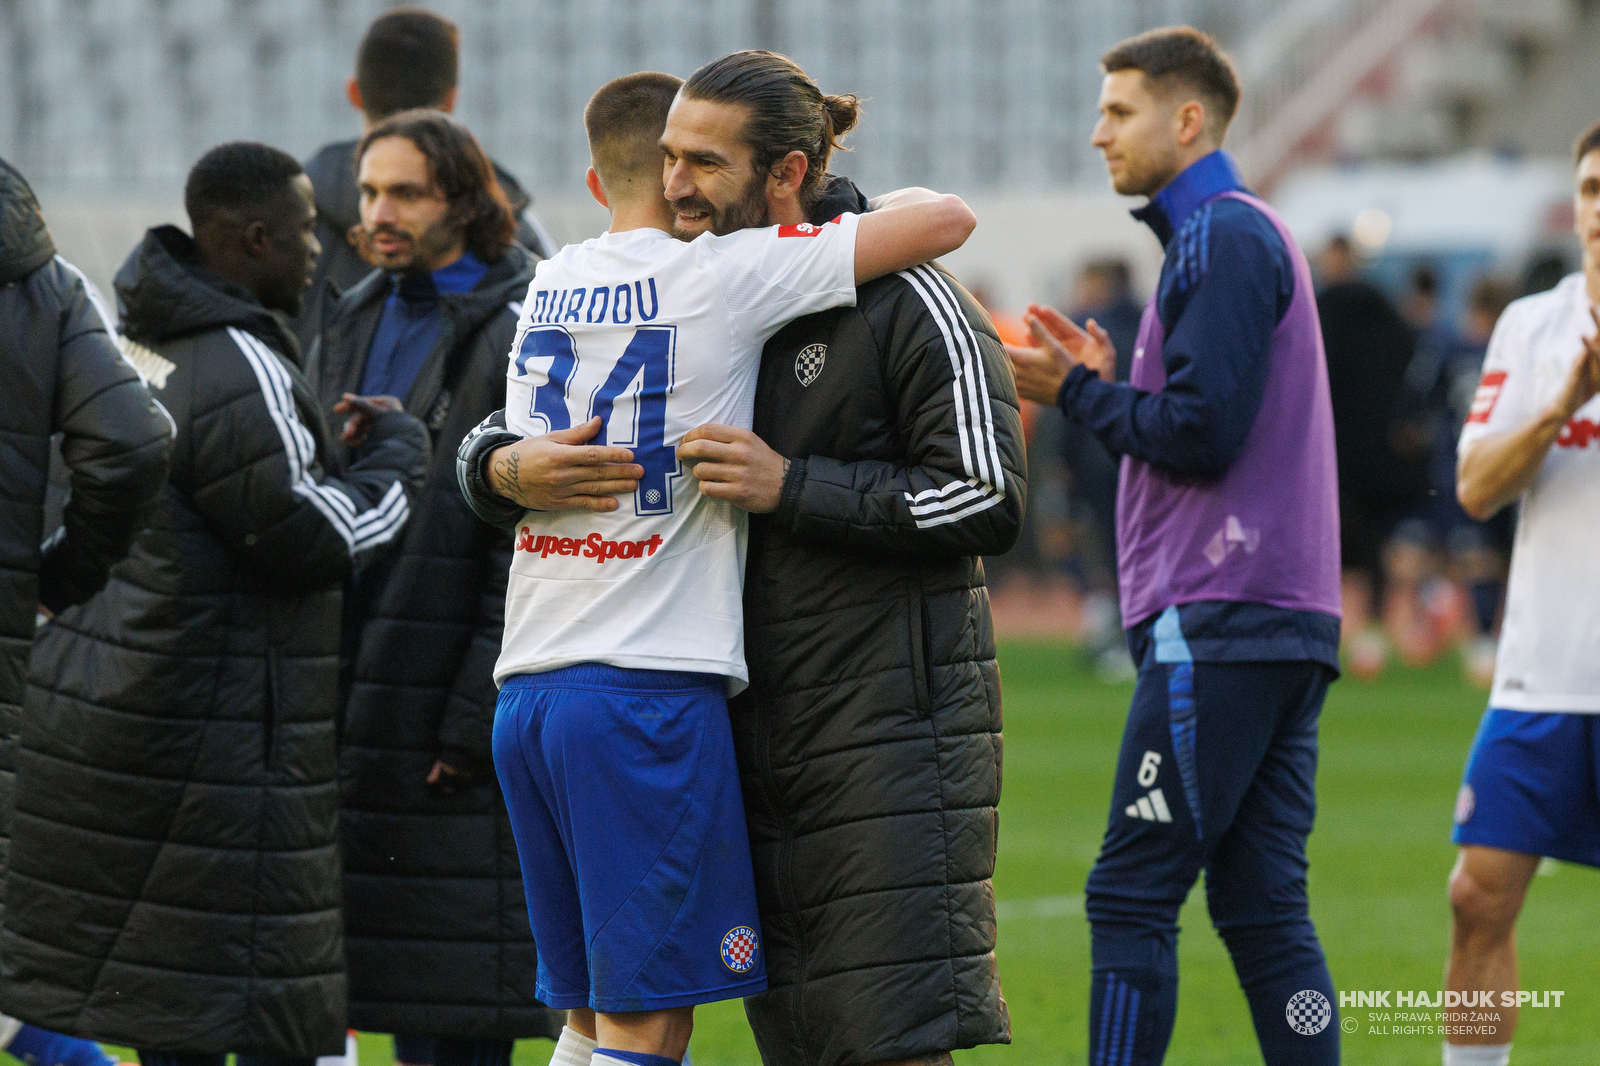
{"x": 1228, "y": 562}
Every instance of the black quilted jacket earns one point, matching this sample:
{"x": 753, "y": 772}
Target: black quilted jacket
{"x": 59, "y": 373}
{"x": 436, "y": 923}
{"x": 869, "y": 738}
{"x": 174, "y": 879}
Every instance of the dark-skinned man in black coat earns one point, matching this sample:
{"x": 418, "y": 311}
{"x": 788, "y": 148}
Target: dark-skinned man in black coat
{"x": 174, "y": 869}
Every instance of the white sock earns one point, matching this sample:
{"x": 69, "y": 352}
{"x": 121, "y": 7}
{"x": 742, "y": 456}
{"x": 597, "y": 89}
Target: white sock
{"x": 1477, "y": 1054}
{"x": 573, "y": 1049}
{"x": 607, "y": 1060}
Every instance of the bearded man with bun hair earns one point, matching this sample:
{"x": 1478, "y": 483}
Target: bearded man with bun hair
{"x": 886, "y": 458}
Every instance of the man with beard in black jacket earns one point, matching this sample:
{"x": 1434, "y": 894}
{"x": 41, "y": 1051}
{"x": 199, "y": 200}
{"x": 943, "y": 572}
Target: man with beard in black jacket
{"x": 407, "y": 59}
{"x": 436, "y": 926}
{"x": 174, "y": 879}
{"x": 62, "y": 375}
{"x": 886, "y": 459}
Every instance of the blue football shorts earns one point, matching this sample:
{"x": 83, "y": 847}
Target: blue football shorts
{"x": 1532, "y": 785}
{"x": 624, "y": 799}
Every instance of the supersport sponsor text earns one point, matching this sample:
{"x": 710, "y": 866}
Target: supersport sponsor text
{"x": 594, "y": 546}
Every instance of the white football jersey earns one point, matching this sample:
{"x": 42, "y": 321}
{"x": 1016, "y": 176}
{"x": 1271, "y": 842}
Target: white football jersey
{"x": 1549, "y": 657}
{"x": 656, "y": 336}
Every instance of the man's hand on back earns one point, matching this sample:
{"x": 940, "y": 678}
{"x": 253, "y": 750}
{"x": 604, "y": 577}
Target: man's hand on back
{"x": 735, "y": 465}
{"x": 1062, "y": 345}
{"x": 559, "y": 472}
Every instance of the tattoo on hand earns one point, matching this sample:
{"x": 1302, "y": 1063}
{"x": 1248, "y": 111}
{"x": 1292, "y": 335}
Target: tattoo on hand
{"x": 505, "y": 475}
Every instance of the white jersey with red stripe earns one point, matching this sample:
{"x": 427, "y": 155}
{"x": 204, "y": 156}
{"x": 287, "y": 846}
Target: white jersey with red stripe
{"x": 1549, "y": 657}
{"x": 656, "y": 336}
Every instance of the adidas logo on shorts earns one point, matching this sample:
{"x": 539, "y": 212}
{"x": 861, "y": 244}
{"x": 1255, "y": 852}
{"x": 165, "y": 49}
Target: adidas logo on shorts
{"x": 1150, "y": 808}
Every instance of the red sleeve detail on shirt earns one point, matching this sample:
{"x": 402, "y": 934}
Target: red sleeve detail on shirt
{"x": 1488, "y": 392}
{"x": 804, "y": 229}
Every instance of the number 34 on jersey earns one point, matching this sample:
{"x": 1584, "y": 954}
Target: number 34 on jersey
{"x": 628, "y": 389}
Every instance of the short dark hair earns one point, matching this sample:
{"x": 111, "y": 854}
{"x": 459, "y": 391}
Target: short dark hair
{"x": 241, "y": 177}
{"x": 1181, "y": 55}
{"x": 408, "y": 59}
{"x": 625, "y": 119}
{"x": 465, "y": 177}
{"x": 788, "y": 113}
{"x": 1588, "y": 141}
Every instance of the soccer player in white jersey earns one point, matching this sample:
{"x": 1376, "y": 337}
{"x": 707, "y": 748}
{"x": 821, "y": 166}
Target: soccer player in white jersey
{"x": 1529, "y": 789}
{"x": 624, "y": 630}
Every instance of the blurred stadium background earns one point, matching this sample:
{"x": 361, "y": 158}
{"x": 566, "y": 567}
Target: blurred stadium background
{"x": 1430, "y": 111}
{"x": 1434, "y": 134}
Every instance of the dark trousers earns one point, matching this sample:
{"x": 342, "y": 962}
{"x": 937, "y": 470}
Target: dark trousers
{"x": 451, "y": 1051}
{"x": 1216, "y": 773}
{"x": 172, "y": 1058}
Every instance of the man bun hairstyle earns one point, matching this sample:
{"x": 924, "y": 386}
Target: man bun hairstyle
{"x": 1588, "y": 141}
{"x": 1182, "y": 56}
{"x": 241, "y": 179}
{"x": 465, "y": 177}
{"x": 408, "y": 59}
{"x": 788, "y": 113}
{"x": 624, "y": 121}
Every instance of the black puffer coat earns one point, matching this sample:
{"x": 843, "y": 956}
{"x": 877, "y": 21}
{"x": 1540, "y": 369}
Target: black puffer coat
{"x": 436, "y": 924}
{"x": 869, "y": 739}
{"x": 61, "y": 374}
{"x": 333, "y": 175}
{"x": 174, "y": 880}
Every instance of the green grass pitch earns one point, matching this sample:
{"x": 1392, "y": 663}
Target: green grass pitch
{"x": 1392, "y": 753}
{"x": 1391, "y": 759}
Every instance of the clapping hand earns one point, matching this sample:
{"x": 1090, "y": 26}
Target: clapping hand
{"x": 1583, "y": 380}
{"x": 1061, "y": 345}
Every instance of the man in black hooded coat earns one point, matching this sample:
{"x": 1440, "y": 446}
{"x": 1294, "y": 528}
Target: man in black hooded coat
{"x": 174, "y": 869}
{"x": 62, "y": 375}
